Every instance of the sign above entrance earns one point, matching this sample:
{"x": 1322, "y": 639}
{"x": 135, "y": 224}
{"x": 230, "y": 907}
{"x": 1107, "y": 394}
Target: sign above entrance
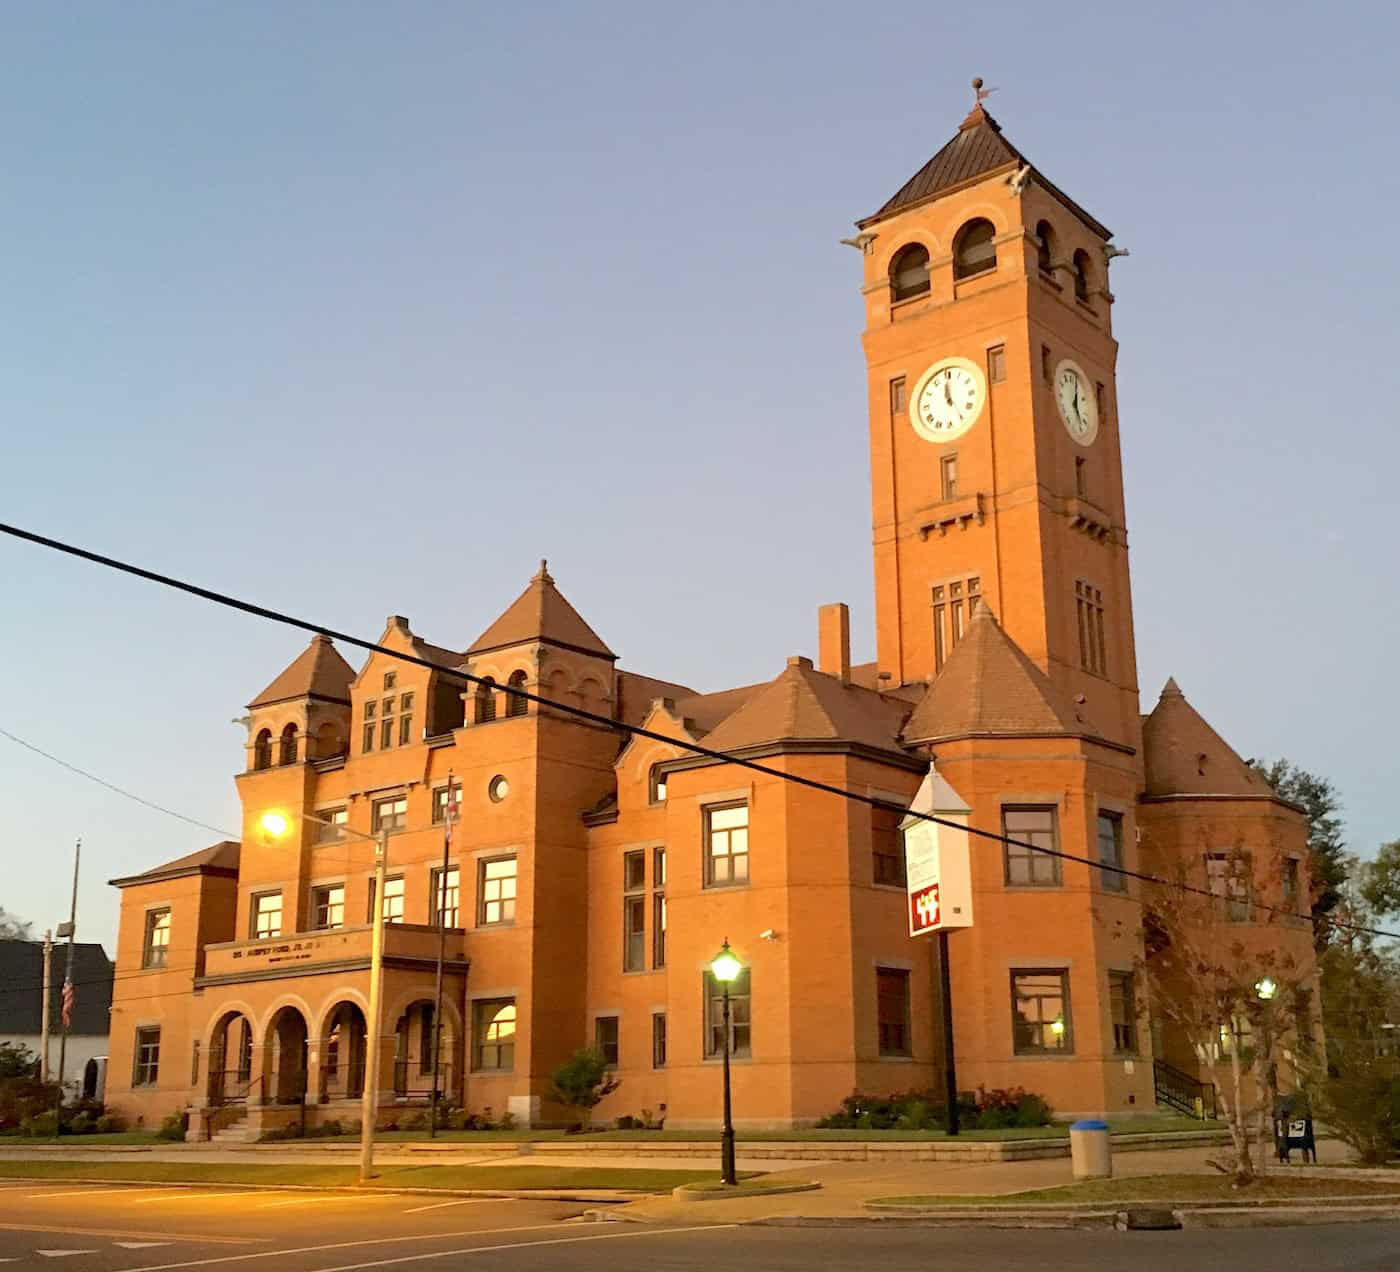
{"x": 937, "y": 860}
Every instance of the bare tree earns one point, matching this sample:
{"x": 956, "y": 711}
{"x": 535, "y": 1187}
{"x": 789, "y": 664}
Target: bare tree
{"x": 1219, "y": 968}
{"x": 13, "y": 929}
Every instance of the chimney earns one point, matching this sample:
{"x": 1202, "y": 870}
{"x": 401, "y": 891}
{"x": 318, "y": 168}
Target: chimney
{"x": 834, "y": 641}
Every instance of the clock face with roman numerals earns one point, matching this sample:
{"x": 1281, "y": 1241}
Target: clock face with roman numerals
{"x": 947, "y": 399}
{"x": 1078, "y": 402}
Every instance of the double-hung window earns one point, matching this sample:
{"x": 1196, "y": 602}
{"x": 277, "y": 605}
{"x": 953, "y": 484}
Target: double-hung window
{"x": 328, "y": 906}
{"x": 447, "y": 891}
{"x": 658, "y": 907}
{"x": 267, "y": 914}
{"x": 634, "y": 911}
{"x": 1040, "y": 1021}
{"x": 726, "y": 845}
{"x": 156, "y": 949}
{"x": 1122, "y": 1000}
{"x": 1032, "y": 830}
{"x": 493, "y": 1034}
{"x": 740, "y": 1029}
{"x": 892, "y": 1010}
{"x": 605, "y": 1039}
{"x": 496, "y": 888}
{"x": 1111, "y": 852}
{"x": 146, "y": 1059}
{"x": 389, "y": 814}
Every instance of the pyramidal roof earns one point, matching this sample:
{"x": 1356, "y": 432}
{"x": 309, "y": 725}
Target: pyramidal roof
{"x": 988, "y": 686}
{"x": 977, "y": 149}
{"x": 804, "y": 704}
{"x": 540, "y": 613}
{"x": 1183, "y": 755}
{"x": 220, "y": 858}
{"x": 317, "y": 672}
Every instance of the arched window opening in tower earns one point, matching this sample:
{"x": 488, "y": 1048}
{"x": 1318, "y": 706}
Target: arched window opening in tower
{"x": 975, "y": 249}
{"x": 1045, "y": 247}
{"x": 909, "y": 272}
{"x": 1081, "y": 275}
{"x": 262, "y": 750}
{"x": 288, "y": 753}
{"x": 516, "y": 705}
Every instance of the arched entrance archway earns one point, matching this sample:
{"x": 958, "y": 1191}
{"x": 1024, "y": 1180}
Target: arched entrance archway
{"x": 231, "y": 1059}
{"x": 413, "y": 1053}
{"x": 284, "y": 1058}
{"x": 343, "y": 1054}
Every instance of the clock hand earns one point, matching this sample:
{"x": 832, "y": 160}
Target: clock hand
{"x": 947, "y": 391}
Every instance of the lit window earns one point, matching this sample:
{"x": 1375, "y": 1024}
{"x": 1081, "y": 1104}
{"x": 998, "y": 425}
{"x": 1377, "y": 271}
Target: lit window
{"x": 389, "y": 814}
{"x": 446, "y": 896}
{"x": 1122, "y": 1001}
{"x": 727, "y": 844}
{"x": 493, "y": 1034}
{"x": 146, "y": 1058}
{"x": 740, "y": 1032}
{"x": 328, "y": 906}
{"x": 892, "y": 1010}
{"x": 1111, "y": 851}
{"x": 1040, "y": 1020}
{"x": 658, "y": 785}
{"x": 156, "y": 951}
{"x": 267, "y": 914}
{"x": 497, "y": 889}
{"x": 1026, "y": 867}
{"x": 605, "y": 1039}
{"x": 393, "y": 899}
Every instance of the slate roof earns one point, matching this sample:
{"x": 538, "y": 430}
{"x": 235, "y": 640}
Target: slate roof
{"x": 220, "y": 858}
{"x": 636, "y": 693}
{"x": 317, "y": 672}
{"x": 22, "y": 968}
{"x": 804, "y": 704}
{"x": 988, "y": 687}
{"x": 977, "y": 149}
{"x": 1183, "y": 755}
{"x": 540, "y": 613}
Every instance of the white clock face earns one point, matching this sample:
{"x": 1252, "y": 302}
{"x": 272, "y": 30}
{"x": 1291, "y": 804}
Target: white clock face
{"x": 947, "y": 399}
{"x": 1078, "y": 404}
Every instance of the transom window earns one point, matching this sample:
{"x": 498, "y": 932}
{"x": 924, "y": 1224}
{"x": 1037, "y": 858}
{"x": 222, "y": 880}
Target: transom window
{"x": 446, "y": 896}
{"x": 892, "y": 1010}
{"x": 390, "y": 814}
{"x": 726, "y": 845}
{"x": 1088, "y": 602}
{"x": 156, "y": 950}
{"x": 493, "y": 1034}
{"x": 497, "y": 880}
{"x": 146, "y": 1059}
{"x": 328, "y": 906}
{"x": 267, "y": 914}
{"x": 1026, "y": 867}
{"x": 1040, "y": 1021}
{"x": 1111, "y": 851}
{"x": 740, "y": 1030}
{"x": 953, "y": 604}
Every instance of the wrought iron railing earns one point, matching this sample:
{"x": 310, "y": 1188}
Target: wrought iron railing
{"x": 1181, "y": 1091}
{"x": 231, "y": 1086}
{"x": 411, "y": 1083}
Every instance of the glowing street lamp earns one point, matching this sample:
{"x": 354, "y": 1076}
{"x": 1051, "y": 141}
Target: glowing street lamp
{"x": 277, "y": 825}
{"x": 725, "y": 968}
{"x": 1266, "y": 988}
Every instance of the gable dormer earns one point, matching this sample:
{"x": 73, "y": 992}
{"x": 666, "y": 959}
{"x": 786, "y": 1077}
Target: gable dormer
{"x": 398, "y": 704}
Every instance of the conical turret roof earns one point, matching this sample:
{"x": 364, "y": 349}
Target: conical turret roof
{"x": 1183, "y": 755}
{"x": 317, "y": 672}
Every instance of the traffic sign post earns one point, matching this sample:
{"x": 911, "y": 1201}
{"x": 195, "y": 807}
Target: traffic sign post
{"x": 938, "y": 874}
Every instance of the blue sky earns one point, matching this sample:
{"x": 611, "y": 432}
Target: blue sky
{"x": 362, "y": 309}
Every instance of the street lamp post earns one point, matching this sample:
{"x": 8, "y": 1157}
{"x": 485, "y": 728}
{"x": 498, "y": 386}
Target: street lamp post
{"x": 277, "y": 825}
{"x": 725, "y": 969}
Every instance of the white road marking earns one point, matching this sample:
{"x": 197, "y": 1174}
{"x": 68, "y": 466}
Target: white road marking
{"x": 184, "y": 1196}
{"x": 461, "y": 1201}
{"x": 400, "y": 1239}
{"x": 306, "y": 1201}
{"x": 524, "y": 1245}
{"x": 88, "y": 1192}
{"x": 62, "y": 1254}
{"x": 68, "y": 1230}
{"x": 143, "y": 1245}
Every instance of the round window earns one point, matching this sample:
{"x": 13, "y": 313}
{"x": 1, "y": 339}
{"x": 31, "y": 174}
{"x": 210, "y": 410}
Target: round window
{"x": 498, "y": 788}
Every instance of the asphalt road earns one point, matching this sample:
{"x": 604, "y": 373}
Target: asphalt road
{"x": 118, "y": 1228}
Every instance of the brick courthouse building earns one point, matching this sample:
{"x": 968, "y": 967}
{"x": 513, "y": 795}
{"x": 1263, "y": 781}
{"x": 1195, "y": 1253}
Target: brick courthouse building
{"x": 593, "y": 877}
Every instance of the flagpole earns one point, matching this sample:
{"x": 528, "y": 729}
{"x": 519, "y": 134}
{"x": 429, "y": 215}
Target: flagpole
{"x": 65, "y": 1016}
{"x": 441, "y": 956}
{"x": 48, "y": 1009}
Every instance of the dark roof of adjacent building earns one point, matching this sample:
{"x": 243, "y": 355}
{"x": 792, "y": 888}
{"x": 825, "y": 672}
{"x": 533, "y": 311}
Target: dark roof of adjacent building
{"x": 540, "y": 613}
{"x": 22, "y": 975}
{"x": 217, "y": 859}
{"x": 988, "y": 687}
{"x": 978, "y": 148}
{"x": 317, "y": 672}
{"x": 806, "y": 705}
{"x": 1183, "y": 755}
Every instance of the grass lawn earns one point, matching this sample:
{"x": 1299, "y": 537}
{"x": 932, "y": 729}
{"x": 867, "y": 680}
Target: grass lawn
{"x": 1174, "y": 1188}
{"x": 8, "y": 1140}
{"x": 544, "y": 1177}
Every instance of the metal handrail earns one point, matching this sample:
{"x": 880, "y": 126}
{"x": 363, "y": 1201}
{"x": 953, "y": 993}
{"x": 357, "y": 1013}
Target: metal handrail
{"x": 1182, "y": 1091}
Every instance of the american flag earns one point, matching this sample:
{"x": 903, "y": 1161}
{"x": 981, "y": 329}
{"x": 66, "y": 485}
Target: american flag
{"x": 70, "y": 996}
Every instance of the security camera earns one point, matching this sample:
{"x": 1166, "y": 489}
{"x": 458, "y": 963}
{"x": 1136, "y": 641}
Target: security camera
{"x": 768, "y": 935}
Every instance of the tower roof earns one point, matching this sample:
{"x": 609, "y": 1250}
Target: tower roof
{"x": 989, "y": 687}
{"x": 977, "y": 149}
{"x": 807, "y": 705}
{"x": 317, "y": 672}
{"x": 540, "y": 613}
{"x": 1183, "y": 755}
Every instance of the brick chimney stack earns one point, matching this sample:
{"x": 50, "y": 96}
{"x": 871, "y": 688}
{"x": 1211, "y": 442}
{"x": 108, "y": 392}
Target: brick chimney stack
{"x": 834, "y": 641}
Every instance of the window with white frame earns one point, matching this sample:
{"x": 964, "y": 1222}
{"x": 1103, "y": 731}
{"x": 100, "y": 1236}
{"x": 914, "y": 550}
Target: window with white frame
{"x": 726, "y": 845}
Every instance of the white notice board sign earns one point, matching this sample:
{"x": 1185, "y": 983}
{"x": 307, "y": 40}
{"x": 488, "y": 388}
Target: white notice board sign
{"x": 937, "y": 861}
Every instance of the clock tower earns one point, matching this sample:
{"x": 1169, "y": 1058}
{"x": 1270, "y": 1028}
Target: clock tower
{"x": 994, "y": 442}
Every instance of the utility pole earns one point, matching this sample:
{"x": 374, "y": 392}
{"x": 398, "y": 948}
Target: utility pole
{"x": 441, "y": 958}
{"x": 370, "y": 1100}
{"x": 47, "y": 1009}
{"x": 70, "y": 930}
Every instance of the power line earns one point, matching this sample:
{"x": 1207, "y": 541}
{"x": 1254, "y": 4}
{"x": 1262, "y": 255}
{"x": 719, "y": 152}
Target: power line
{"x": 635, "y": 730}
{"x": 92, "y": 777}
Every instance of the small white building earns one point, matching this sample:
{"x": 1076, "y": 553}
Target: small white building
{"x": 21, "y": 1009}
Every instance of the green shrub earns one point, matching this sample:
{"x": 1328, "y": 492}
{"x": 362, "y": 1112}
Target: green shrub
{"x": 40, "y": 1125}
{"x": 173, "y": 1127}
{"x": 580, "y": 1083}
{"x": 109, "y": 1124}
{"x": 925, "y": 1110}
{"x": 83, "y": 1123}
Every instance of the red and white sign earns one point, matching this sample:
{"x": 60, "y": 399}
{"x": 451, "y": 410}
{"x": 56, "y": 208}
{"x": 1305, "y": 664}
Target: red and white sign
{"x": 936, "y": 859}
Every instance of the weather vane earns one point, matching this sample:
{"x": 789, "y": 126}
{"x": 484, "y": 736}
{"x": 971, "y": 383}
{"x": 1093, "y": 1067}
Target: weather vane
{"x": 981, "y": 93}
